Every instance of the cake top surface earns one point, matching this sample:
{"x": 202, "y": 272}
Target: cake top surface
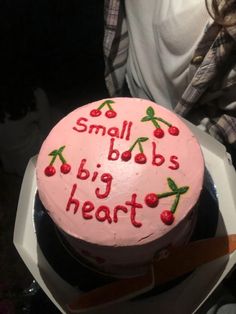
{"x": 119, "y": 171}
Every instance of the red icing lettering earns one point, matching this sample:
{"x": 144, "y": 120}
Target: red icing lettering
{"x": 102, "y": 213}
{"x": 97, "y": 128}
{"x": 82, "y": 125}
{"x": 119, "y": 208}
{"x": 86, "y": 208}
{"x": 83, "y": 173}
{"x": 106, "y": 178}
{"x": 106, "y": 214}
{"x": 175, "y": 163}
{"x": 113, "y": 132}
{"x": 72, "y": 200}
{"x": 129, "y": 131}
{"x": 123, "y": 129}
{"x": 134, "y": 205}
{"x": 95, "y": 174}
{"x": 113, "y": 153}
{"x": 157, "y": 159}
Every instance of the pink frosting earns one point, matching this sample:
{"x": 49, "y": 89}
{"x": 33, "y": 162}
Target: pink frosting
{"x": 92, "y": 146}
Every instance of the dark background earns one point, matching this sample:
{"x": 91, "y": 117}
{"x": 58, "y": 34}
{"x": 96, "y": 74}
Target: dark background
{"x": 55, "y": 45}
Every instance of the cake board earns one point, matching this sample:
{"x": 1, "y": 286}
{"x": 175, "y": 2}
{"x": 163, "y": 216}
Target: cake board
{"x": 201, "y": 283}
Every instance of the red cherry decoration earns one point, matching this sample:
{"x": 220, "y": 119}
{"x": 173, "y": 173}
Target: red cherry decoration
{"x": 65, "y": 168}
{"x": 49, "y": 171}
{"x": 95, "y": 113}
{"x": 173, "y": 130}
{"x": 125, "y": 156}
{"x": 151, "y": 200}
{"x": 167, "y": 217}
{"x": 140, "y": 158}
{"x": 110, "y": 114}
{"x": 158, "y": 132}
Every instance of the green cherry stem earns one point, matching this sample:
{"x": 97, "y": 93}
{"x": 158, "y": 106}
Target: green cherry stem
{"x": 57, "y": 153}
{"x": 53, "y": 159}
{"x": 138, "y": 141}
{"x": 109, "y": 106}
{"x": 166, "y": 194}
{"x": 60, "y": 150}
{"x": 140, "y": 147}
{"x": 155, "y": 123}
{"x": 178, "y": 193}
{"x": 175, "y": 203}
{"x": 132, "y": 147}
{"x": 62, "y": 158}
{"x": 163, "y": 121}
{"x": 107, "y": 102}
{"x": 102, "y": 105}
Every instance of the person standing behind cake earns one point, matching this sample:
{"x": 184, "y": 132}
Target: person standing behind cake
{"x": 180, "y": 54}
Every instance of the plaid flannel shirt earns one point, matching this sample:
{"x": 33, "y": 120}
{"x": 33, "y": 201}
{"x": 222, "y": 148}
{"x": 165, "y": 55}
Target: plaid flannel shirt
{"x": 209, "y": 100}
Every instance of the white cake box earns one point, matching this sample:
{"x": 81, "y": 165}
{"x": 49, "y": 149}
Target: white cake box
{"x": 186, "y": 296}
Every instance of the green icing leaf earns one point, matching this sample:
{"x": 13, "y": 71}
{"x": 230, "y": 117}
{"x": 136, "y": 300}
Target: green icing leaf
{"x": 143, "y": 139}
{"x": 183, "y": 190}
{"x": 61, "y": 149}
{"x": 150, "y": 112}
{"x": 172, "y": 184}
{"x": 147, "y": 118}
{"x": 57, "y": 151}
{"x": 53, "y": 153}
{"x": 109, "y": 101}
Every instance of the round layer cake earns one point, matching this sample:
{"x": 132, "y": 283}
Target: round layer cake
{"x": 121, "y": 179}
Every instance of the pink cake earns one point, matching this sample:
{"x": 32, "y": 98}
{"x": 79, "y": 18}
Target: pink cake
{"x": 121, "y": 179}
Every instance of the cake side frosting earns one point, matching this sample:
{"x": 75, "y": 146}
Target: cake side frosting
{"x": 120, "y": 172}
